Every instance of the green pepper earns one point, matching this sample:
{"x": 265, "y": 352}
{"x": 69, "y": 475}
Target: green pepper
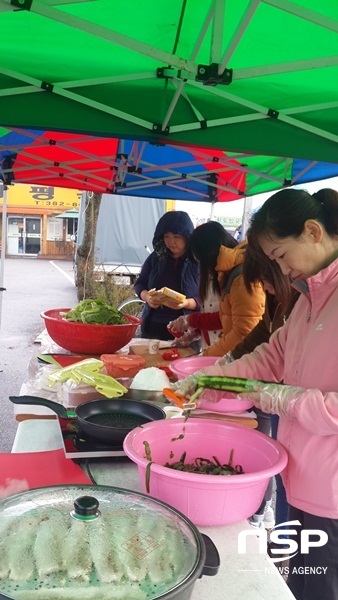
{"x": 148, "y": 477}
{"x": 147, "y": 450}
{"x": 229, "y": 384}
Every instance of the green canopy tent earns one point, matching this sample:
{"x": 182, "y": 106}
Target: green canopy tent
{"x": 257, "y": 79}
{"x": 252, "y": 76}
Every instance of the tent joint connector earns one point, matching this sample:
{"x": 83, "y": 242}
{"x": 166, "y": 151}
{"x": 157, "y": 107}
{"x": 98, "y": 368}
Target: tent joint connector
{"x": 274, "y": 114}
{"x": 48, "y": 87}
{"x": 208, "y": 75}
{"x": 164, "y": 72}
{"x": 158, "y": 128}
{"x": 22, "y": 4}
{"x": 203, "y": 124}
{"x": 134, "y": 169}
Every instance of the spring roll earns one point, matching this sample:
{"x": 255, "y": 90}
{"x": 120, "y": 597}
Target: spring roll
{"x": 175, "y": 553}
{"x": 76, "y": 553}
{"x": 5, "y": 530}
{"x": 105, "y": 557}
{"x": 127, "y": 543}
{"x": 152, "y": 534}
{"x": 50, "y": 537}
{"x": 20, "y": 548}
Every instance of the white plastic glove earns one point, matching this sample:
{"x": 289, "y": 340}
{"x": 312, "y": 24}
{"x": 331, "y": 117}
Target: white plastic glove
{"x": 274, "y": 398}
{"x": 211, "y": 396}
{"x": 187, "y": 338}
{"x": 180, "y": 325}
{"x": 187, "y": 386}
{"x": 225, "y": 360}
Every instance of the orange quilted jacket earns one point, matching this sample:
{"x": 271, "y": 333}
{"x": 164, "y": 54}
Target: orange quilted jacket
{"x": 239, "y": 311}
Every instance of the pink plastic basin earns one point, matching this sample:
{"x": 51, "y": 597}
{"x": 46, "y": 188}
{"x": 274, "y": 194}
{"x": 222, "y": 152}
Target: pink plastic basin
{"x": 206, "y": 499}
{"x": 182, "y": 367}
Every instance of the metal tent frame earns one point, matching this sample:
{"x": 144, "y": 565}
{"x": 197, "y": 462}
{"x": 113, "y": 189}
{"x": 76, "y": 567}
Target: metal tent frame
{"x": 187, "y": 84}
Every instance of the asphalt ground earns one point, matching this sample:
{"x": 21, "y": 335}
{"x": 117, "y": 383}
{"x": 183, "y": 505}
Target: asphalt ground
{"x": 32, "y": 286}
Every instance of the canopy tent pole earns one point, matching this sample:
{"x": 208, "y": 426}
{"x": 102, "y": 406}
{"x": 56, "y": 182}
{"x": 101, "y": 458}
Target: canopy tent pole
{"x": 3, "y": 241}
{"x": 247, "y": 213}
{"x": 212, "y": 211}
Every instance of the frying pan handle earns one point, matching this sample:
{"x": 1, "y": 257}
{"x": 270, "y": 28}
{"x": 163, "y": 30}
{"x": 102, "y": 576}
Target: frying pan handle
{"x": 59, "y": 409}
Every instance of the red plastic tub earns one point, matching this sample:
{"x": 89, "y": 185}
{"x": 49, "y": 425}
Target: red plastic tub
{"x": 87, "y": 338}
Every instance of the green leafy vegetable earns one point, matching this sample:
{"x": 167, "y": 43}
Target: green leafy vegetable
{"x": 96, "y": 312}
{"x": 204, "y": 466}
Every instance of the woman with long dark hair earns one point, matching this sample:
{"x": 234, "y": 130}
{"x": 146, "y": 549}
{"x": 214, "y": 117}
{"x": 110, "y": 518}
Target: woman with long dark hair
{"x": 220, "y": 259}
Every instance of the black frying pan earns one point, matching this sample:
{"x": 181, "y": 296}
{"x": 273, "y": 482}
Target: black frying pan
{"x": 108, "y": 420}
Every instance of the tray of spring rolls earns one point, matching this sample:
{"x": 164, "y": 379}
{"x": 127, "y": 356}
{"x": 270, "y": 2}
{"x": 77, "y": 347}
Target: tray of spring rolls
{"x": 87, "y": 542}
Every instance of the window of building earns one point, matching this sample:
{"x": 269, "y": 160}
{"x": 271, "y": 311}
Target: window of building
{"x": 54, "y": 229}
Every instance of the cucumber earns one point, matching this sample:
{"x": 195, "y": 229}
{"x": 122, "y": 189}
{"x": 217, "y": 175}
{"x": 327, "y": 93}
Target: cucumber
{"x": 228, "y": 384}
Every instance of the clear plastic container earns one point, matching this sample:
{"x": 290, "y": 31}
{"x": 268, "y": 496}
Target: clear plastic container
{"x": 42, "y": 378}
{"x": 122, "y": 365}
{"x": 72, "y": 394}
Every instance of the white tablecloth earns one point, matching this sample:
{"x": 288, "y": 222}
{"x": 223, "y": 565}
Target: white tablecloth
{"x": 252, "y": 576}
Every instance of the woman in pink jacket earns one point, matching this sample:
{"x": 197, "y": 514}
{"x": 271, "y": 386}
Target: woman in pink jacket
{"x": 300, "y": 232}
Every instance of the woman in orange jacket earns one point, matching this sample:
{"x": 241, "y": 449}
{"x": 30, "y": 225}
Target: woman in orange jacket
{"x": 220, "y": 259}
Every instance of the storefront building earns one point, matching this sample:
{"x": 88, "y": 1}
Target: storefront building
{"x": 41, "y": 221}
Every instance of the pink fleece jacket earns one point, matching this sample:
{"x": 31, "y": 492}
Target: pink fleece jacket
{"x": 304, "y": 353}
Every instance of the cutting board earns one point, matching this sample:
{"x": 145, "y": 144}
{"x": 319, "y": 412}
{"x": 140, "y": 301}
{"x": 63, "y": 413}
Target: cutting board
{"x": 156, "y": 360}
{"x": 246, "y": 421}
{"x": 22, "y": 471}
{"x": 60, "y": 360}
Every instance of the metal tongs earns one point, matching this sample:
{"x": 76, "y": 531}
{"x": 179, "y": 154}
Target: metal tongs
{"x": 182, "y": 401}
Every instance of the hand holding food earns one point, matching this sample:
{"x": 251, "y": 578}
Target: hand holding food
{"x": 174, "y": 305}
{"x": 153, "y": 301}
{"x": 167, "y": 297}
{"x": 188, "y": 337}
{"x": 187, "y": 386}
{"x": 180, "y": 325}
